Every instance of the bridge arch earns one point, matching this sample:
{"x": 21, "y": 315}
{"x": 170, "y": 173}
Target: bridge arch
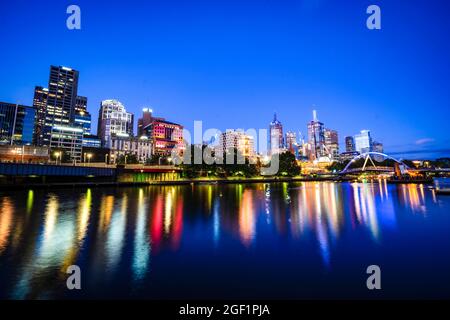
{"x": 367, "y": 155}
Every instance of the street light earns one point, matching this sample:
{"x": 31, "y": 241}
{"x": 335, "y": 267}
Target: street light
{"x": 57, "y": 155}
{"x": 106, "y": 159}
{"x": 89, "y": 156}
{"x": 126, "y": 159}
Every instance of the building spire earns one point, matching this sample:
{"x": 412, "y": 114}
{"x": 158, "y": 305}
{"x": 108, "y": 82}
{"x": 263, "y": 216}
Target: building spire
{"x": 315, "y": 115}
{"x": 274, "y": 117}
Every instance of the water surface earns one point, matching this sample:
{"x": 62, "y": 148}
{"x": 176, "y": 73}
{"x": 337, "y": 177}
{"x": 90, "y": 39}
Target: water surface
{"x": 280, "y": 240}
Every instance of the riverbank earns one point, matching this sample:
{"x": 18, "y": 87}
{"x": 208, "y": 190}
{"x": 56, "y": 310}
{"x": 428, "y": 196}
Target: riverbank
{"x": 95, "y": 184}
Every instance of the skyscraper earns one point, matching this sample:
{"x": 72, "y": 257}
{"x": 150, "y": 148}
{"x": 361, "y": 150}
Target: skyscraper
{"x": 113, "y": 119}
{"x": 62, "y": 93}
{"x": 349, "y": 144}
{"x": 291, "y": 141}
{"x": 363, "y": 141}
{"x": 331, "y": 144}
{"x": 276, "y": 136}
{"x": 316, "y": 138}
{"x": 40, "y": 105}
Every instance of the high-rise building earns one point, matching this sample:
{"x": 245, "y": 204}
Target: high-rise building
{"x": 331, "y": 144}
{"x": 40, "y": 105}
{"x": 316, "y": 138}
{"x": 291, "y": 141}
{"x": 377, "y": 147}
{"x": 276, "y": 136}
{"x": 235, "y": 139}
{"x": 113, "y": 120}
{"x": 363, "y": 141}
{"x": 16, "y": 124}
{"x": 82, "y": 117}
{"x": 349, "y": 144}
{"x": 144, "y": 121}
{"x": 62, "y": 93}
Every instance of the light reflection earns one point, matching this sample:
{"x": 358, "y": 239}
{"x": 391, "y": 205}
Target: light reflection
{"x": 116, "y": 234}
{"x": 84, "y": 212}
{"x": 30, "y": 199}
{"x": 6, "y": 220}
{"x": 247, "y": 218}
{"x": 364, "y": 202}
{"x": 141, "y": 253}
{"x": 135, "y": 227}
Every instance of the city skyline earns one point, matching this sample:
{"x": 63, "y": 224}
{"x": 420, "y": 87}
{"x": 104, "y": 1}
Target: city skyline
{"x": 366, "y": 88}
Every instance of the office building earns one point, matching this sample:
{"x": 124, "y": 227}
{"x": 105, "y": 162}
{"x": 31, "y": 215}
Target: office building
{"x": 40, "y": 105}
{"x": 363, "y": 141}
{"x": 82, "y": 117}
{"x": 235, "y": 139}
{"x": 68, "y": 141}
{"x": 349, "y": 144}
{"x": 16, "y": 124}
{"x": 291, "y": 141}
{"x": 331, "y": 144}
{"x": 276, "y": 142}
{"x": 316, "y": 138}
{"x": 113, "y": 120}
{"x": 60, "y": 108}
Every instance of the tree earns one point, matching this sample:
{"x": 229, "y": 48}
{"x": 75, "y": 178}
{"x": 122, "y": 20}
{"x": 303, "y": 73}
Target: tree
{"x": 129, "y": 158}
{"x": 288, "y": 165}
{"x": 337, "y": 166}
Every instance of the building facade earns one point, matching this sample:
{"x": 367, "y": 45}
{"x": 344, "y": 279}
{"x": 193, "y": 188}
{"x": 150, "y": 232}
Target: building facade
{"x": 82, "y": 117}
{"x": 16, "y": 124}
{"x": 144, "y": 121}
{"x": 316, "y": 138}
{"x": 349, "y": 144}
{"x": 24, "y": 154}
{"x": 40, "y": 105}
{"x": 62, "y": 93}
{"x": 235, "y": 139}
{"x": 165, "y": 136}
{"x": 91, "y": 141}
{"x": 276, "y": 142}
{"x": 363, "y": 141}
{"x": 68, "y": 141}
{"x": 291, "y": 141}
{"x": 332, "y": 144}
{"x": 126, "y": 146}
{"x": 113, "y": 120}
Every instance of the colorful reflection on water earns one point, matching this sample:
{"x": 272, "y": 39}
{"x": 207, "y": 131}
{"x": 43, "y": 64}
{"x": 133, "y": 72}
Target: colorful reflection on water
{"x": 281, "y": 240}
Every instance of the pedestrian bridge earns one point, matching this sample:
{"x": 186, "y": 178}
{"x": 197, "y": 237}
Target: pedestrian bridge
{"x": 372, "y": 167}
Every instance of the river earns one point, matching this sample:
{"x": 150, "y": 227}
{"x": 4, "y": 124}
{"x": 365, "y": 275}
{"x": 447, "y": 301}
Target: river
{"x": 302, "y": 240}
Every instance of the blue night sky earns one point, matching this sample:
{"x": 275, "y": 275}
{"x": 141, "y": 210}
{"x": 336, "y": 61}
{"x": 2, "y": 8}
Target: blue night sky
{"x": 233, "y": 63}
